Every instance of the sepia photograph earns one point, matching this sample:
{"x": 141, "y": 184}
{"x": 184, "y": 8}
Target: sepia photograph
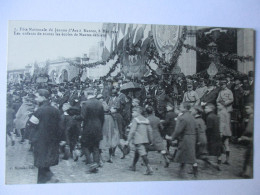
{"x": 123, "y": 102}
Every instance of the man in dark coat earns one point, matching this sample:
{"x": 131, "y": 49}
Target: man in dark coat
{"x": 213, "y": 134}
{"x": 92, "y": 113}
{"x": 46, "y": 136}
{"x": 185, "y": 132}
{"x": 210, "y": 95}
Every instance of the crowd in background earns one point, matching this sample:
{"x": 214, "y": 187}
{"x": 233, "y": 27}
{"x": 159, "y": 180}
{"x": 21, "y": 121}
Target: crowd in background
{"x": 185, "y": 119}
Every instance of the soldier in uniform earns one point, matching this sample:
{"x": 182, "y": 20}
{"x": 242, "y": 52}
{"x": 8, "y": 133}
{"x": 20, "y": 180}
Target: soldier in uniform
{"x": 225, "y": 97}
{"x": 201, "y": 90}
{"x": 191, "y": 96}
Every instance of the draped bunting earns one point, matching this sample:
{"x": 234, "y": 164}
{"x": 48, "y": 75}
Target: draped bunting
{"x": 226, "y": 56}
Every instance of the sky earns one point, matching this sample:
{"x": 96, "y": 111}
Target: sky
{"x": 24, "y": 49}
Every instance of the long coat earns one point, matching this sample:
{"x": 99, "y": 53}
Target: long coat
{"x": 92, "y": 113}
{"x": 224, "y": 123}
{"x": 157, "y": 139}
{"x": 185, "y": 132}
{"x": 110, "y": 133}
{"x": 201, "y": 136}
{"x": 213, "y": 134}
{"x": 226, "y": 96}
{"x": 170, "y": 122}
{"x": 70, "y": 130}
{"x": 46, "y": 135}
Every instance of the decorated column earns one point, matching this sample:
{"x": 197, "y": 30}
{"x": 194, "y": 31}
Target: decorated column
{"x": 245, "y": 47}
{"x": 188, "y": 60}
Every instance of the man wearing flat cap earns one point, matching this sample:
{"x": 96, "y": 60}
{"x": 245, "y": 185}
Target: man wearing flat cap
{"x": 45, "y": 136}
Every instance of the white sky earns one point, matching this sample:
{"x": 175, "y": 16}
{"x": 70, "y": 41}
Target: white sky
{"x": 26, "y": 49}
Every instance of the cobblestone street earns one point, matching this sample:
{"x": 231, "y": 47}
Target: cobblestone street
{"x": 20, "y": 169}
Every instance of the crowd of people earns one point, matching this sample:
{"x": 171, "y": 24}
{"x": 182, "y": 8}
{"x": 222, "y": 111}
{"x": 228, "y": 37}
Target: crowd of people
{"x": 188, "y": 119}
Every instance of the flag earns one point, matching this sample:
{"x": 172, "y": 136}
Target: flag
{"x": 120, "y": 45}
{"x": 138, "y": 35}
{"x": 105, "y": 54}
{"x": 145, "y": 45}
{"x": 112, "y": 46}
{"x": 110, "y": 29}
{"x": 122, "y": 27}
{"x": 132, "y": 34}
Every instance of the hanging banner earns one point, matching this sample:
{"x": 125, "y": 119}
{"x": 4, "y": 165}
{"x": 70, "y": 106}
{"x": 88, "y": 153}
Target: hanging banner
{"x": 166, "y": 39}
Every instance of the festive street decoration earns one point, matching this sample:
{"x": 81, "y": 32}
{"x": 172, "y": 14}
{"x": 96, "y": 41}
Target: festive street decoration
{"x": 226, "y": 55}
{"x": 136, "y": 54}
{"x": 112, "y": 69}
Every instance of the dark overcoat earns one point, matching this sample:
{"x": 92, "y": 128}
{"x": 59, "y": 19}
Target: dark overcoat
{"x": 169, "y": 123}
{"x": 92, "y": 113}
{"x": 46, "y": 136}
{"x": 185, "y": 132}
{"x": 201, "y": 136}
{"x": 210, "y": 96}
{"x": 213, "y": 134}
{"x": 70, "y": 130}
{"x": 157, "y": 139}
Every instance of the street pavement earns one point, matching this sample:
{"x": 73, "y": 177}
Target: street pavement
{"x": 20, "y": 169}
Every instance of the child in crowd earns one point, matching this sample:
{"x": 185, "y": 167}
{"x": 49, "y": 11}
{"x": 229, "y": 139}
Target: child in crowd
{"x": 141, "y": 135}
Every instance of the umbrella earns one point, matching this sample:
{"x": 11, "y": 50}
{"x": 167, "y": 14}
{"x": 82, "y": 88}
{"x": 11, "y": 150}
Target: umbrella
{"x": 130, "y": 86}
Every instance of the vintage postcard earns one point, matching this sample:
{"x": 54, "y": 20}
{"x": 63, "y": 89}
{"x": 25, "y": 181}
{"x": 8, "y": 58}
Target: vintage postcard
{"x": 114, "y": 102}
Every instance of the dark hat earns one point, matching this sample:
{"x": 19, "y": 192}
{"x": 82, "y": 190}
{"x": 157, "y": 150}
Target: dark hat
{"x": 223, "y": 81}
{"x": 44, "y": 92}
{"x": 237, "y": 77}
{"x": 228, "y": 75}
{"x": 251, "y": 73}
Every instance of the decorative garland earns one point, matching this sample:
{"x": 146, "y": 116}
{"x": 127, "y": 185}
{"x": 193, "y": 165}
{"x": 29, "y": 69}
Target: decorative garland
{"x": 89, "y": 65}
{"x": 92, "y": 65}
{"x": 218, "y": 54}
{"x": 222, "y": 70}
{"x": 112, "y": 69}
